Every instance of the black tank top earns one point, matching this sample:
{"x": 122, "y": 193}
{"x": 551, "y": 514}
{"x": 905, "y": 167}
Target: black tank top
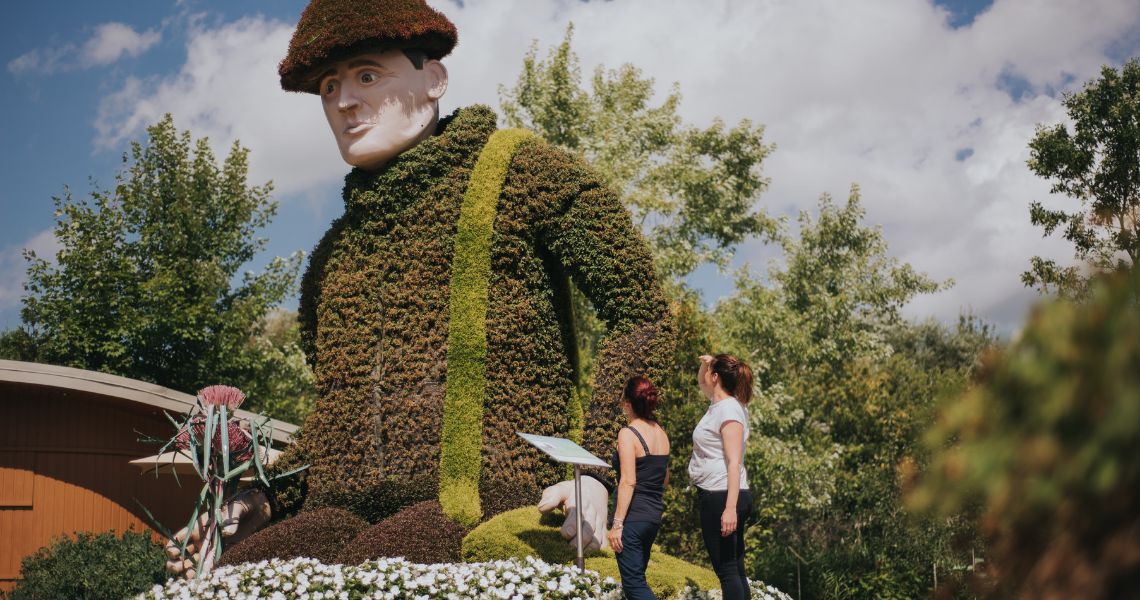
{"x": 646, "y": 504}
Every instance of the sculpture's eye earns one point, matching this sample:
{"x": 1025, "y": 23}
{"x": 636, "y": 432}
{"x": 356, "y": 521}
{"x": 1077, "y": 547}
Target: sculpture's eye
{"x": 368, "y": 77}
{"x": 328, "y": 87}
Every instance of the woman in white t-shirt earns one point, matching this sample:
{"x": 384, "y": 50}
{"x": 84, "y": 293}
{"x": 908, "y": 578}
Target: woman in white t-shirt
{"x": 717, "y": 468}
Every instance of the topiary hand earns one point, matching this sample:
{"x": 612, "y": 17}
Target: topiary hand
{"x": 242, "y": 515}
{"x": 595, "y": 509}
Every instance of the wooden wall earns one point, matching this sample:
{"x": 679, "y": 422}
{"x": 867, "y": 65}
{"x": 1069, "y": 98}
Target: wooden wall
{"x": 64, "y": 469}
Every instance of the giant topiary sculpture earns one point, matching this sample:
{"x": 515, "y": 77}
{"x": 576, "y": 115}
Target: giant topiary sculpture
{"x": 436, "y": 308}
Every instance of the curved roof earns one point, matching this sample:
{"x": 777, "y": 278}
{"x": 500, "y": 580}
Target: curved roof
{"x": 103, "y": 384}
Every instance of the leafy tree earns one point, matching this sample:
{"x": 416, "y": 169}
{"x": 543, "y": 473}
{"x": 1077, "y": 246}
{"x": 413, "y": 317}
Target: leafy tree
{"x": 280, "y": 381}
{"x": 691, "y": 189}
{"x": 835, "y": 298}
{"x": 1097, "y": 163}
{"x": 17, "y": 344}
{"x": 846, "y": 388}
{"x": 1045, "y": 451}
{"x": 144, "y": 283}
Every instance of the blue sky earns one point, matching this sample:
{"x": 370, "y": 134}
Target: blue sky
{"x": 927, "y": 106}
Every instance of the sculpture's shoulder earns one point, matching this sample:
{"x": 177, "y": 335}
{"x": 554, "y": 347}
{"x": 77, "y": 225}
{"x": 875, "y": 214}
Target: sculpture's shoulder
{"x": 547, "y": 180}
{"x": 544, "y": 161}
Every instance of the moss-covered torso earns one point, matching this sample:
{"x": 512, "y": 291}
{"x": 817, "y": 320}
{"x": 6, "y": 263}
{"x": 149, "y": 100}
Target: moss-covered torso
{"x": 374, "y": 310}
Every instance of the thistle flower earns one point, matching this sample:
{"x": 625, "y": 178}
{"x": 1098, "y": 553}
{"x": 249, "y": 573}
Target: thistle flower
{"x": 241, "y": 442}
{"x": 217, "y": 395}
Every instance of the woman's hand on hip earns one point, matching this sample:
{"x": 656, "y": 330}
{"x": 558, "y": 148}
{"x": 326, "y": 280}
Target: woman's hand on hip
{"x": 728, "y": 522}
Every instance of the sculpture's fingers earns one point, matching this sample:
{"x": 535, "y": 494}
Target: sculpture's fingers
{"x": 174, "y": 566}
{"x": 230, "y": 526}
{"x": 178, "y": 537}
{"x": 569, "y": 526}
{"x": 558, "y": 495}
{"x": 548, "y": 502}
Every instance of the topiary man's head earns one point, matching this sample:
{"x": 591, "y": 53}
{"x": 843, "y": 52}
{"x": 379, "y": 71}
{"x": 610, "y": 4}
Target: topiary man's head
{"x": 375, "y": 65}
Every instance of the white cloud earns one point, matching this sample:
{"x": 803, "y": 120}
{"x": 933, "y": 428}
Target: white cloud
{"x": 46, "y": 60}
{"x": 227, "y": 90}
{"x": 883, "y": 93}
{"x": 13, "y": 267}
{"x": 880, "y": 92}
{"x": 114, "y": 40}
{"x": 110, "y": 42}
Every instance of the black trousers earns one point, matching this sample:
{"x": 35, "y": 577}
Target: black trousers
{"x": 636, "y": 540}
{"x": 726, "y": 553}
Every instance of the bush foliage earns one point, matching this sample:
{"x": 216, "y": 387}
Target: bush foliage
{"x": 91, "y": 567}
{"x": 460, "y": 453}
{"x": 1046, "y": 451}
{"x": 420, "y": 533}
{"x": 320, "y": 534}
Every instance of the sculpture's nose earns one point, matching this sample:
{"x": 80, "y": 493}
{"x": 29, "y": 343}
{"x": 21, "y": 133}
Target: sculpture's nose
{"x": 347, "y": 99}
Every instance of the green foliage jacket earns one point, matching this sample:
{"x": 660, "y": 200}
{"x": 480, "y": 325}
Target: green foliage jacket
{"x": 375, "y": 316}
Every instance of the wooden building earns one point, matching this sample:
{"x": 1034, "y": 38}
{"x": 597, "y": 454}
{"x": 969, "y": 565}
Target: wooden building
{"x": 67, "y": 437}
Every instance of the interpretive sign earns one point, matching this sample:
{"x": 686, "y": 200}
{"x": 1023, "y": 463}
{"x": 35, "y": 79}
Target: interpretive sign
{"x": 564, "y": 450}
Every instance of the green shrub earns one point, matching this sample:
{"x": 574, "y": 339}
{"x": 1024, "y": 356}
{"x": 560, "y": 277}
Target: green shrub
{"x": 522, "y": 532}
{"x": 403, "y": 535}
{"x": 319, "y": 534}
{"x": 92, "y": 566}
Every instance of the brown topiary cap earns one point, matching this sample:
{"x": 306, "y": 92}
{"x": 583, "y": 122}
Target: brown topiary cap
{"x": 330, "y": 30}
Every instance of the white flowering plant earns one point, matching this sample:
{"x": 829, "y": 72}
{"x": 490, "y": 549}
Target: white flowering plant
{"x": 760, "y": 591}
{"x": 391, "y": 578}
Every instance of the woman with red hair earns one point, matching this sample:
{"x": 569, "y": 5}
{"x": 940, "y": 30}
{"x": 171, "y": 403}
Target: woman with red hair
{"x": 642, "y": 462}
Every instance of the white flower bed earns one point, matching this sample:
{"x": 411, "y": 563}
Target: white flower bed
{"x": 760, "y": 591}
{"x": 391, "y": 579}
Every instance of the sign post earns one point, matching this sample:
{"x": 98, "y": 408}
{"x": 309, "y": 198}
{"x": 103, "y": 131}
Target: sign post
{"x": 566, "y": 451}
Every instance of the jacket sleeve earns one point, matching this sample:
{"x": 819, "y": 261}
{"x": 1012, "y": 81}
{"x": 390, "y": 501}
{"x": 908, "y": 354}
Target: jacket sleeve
{"x": 311, "y": 284}
{"x": 590, "y": 233}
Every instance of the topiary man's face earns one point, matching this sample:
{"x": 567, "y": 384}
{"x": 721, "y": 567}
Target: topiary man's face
{"x": 379, "y": 105}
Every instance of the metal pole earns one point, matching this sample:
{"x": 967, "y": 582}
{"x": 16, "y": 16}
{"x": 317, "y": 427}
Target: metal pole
{"x": 578, "y": 513}
{"x": 799, "y": 592}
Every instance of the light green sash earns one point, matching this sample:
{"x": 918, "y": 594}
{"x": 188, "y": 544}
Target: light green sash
{"x": 461, "y": 441}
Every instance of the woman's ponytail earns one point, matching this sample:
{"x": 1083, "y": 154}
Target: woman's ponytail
{"x": 735, "y": 376}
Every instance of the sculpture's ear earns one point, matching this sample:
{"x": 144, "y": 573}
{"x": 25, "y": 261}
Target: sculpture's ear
{"x": 436, "y": 78}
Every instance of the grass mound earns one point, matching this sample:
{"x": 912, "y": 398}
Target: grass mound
{"x": 525, "y": 532}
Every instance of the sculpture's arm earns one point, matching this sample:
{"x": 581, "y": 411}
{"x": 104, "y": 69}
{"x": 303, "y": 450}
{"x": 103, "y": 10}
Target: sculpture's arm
{"x": 592, "y": 235}
{"x": 311, "y": 283}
